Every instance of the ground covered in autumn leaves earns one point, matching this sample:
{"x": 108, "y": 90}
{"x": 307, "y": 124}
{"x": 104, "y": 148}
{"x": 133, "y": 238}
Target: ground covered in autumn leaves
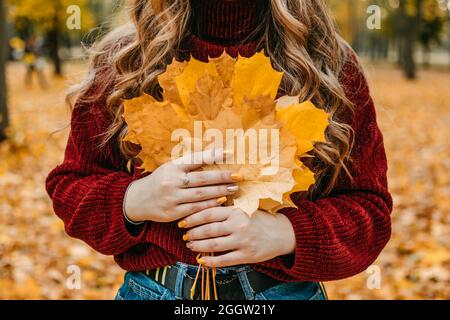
{"x": 36, "y": 256}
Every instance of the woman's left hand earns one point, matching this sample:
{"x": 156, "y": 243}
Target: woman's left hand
{"x": 254, "y": 239}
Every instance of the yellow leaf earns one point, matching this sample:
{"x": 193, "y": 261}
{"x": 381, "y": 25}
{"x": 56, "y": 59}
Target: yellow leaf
{"x": 264, "y": 187}
{"x": 254, "y": 77}
{"x": 306, "y": 122}
{"x": 209, "y": 98}
{"x": 257, "y": 111}
{"x": 152, "y": 127}
{"x": 271, "y": 205}
{"x": 186, "y": 82}
{"x": 132, "y": 109}
{"x": 304, "y": 178}
{"x": 225, "y": 68}
{"x": 226, "y": 119}
{"x": 262, "y": 178}
{"x": 167, "y": 81}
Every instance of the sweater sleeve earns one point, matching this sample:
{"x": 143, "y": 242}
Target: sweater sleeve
{"x": 341, "y": 235}
{"x": 88, "y": 188}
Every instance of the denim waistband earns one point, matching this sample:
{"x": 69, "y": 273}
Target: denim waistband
{"x": 191, "y": 269}
{"x": 137, "y": 286}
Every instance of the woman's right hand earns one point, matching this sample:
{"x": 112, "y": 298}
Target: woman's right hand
{"x": 163, "y": 196}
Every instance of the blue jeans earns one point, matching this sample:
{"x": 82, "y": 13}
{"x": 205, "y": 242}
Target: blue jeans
{"x": 137, "y": 286}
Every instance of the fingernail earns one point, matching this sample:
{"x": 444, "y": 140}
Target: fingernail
{"x": 185, "y": 237}
{"x": 232, "y": 188}
{"x": 237, "y": 177}
{"x": 222, "y": 200}
{"x": 188, "y": 245}
{"x": 182, "y": 224}
{"x": 201, "y": 261}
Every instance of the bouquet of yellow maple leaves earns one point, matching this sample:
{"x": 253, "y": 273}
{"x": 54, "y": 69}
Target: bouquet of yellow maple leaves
{"x": 230, "y": 104}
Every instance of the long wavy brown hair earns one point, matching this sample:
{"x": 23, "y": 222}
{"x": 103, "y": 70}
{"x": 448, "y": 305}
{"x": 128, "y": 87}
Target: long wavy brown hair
{"x": 299, "y": 36}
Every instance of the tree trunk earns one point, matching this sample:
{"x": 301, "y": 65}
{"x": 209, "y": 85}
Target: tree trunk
{"x": 4, "y": 121}
{"x": 53, "y": 39}
{"x": 410, "y": 36}
{"x": 448, "y": 28}
{"x": 426, "y": 52}
{"x": 354, "y": 24}
{"x": 409, "y": 64}
{"x": 401, "y": 27}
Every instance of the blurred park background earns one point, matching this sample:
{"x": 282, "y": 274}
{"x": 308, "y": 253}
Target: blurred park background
{"x": 405, "y": 47}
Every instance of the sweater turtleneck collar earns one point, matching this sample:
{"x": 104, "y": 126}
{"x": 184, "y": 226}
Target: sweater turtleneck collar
{"x": 227, "y": 22}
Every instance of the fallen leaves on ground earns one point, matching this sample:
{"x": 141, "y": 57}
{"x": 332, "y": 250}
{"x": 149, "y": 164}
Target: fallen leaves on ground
{"x": 414, "y": 118}
{"x": 35, "y": 252}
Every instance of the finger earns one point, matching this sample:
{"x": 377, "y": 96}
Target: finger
{"x": 195, "y": 160}
{"x": 232, "y": 258}
{"x": 212, "y": 245}
{"x": 208, "y": 178}
{"x": 207, "y": 216}
{"x": 205, "y": 193}
{"x": 186, "y": 209}
{"x": 209, "y": 230}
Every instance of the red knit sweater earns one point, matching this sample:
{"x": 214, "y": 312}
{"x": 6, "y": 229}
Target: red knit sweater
{"x": 337, "y": 237}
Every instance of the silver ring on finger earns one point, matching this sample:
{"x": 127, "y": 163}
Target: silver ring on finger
{"x": 185, "y": 180}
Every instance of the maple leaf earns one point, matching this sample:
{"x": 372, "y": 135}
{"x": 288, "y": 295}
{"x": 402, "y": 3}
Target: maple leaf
{"x": 210, "y": 97}
{"x": 307, "y": 123}
{"x": 232, "y": 103}
{"x": 254, "y": 77}
{"x": 151, "y": 125}
{"x": 225, "y": 65}
{"x": 261, "y": 177}
{"x": 186, "y": 81}
{"x": 167, "y": 81}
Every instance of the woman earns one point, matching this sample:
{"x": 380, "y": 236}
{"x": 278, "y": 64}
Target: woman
{"x": 155, "y": 225}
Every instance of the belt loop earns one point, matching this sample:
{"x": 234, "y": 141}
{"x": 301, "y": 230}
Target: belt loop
{"x": 181, "y": 271}
{"x": 157, "y": 275}
{"x": 245, "y": 284}
{"x": 163, "y": 278}
{"x": 325, "y": 293}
